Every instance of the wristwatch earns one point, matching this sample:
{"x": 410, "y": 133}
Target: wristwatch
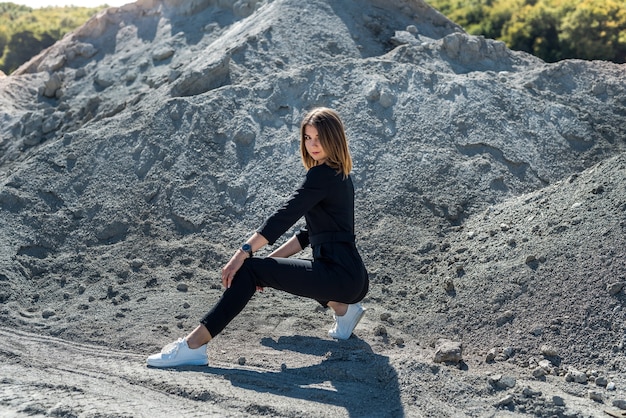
{"x": 247, "y": 248}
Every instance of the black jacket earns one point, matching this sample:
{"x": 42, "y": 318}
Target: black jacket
{"x": 325, "y": 199}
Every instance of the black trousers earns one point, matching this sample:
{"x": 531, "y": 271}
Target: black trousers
{"x": 323, "y": 280}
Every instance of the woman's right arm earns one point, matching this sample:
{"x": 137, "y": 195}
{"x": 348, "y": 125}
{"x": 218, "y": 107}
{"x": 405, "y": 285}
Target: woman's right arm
{"x": 289, "y": 248}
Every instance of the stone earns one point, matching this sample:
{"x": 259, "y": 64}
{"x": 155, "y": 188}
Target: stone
{"x": 548, "y": 351}
{"x": 615, "y": 288}
{"x": 539, "y": 372}
{"x": 53, "y": 84}
{"x": 448, "y": 351}
{"x": 595, "y": 396}
{"x": 507, "y": 400}
{"x": 601, "y": 381}
{"x": 619, "y": 403}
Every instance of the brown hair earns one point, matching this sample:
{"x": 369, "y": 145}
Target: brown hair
{"x": 332, "y": 138}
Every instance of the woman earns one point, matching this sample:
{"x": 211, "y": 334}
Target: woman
{"x": 336, "y": 277}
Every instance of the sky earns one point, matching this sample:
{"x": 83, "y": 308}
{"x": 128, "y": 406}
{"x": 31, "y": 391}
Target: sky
{"x": 82, "y": 3}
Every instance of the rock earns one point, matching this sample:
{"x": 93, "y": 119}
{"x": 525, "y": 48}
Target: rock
{"x": 549, "y": 351}
{"x": 52, "y": 123}
{"x": 508, "y": 351}
{"x": 182, "y": 287}
{"x": 241, "y": 361}
{"x": 47, "y": 313}
{"x": 619, "y": 403}
{"x": 491, "y": 355}
{"x": 163, "y": 53}
{"x": 104, "y": 79}
{"x": 136, "y": 263}
{"x": 539, "y": 372}
{"x": 507, "y": 400}
{"x": 615, "y": 288}
{"x": 530, "y": 393}
{"x": 387, "y": 98}
{"x": 52, "y": 85}
{"x": 380, "y": 331}
{"x": 610, "y": 386}
{"x": 448, "y": 351}
{"x": 601, "y": 381}
{"x": 595, "y": 396}
{"x": 558, "y": 401}
{"x": 576, "y": 376}
{"x": 507, "y": 316}
{"x": 545, "y": 364}
{"x": 499, "y": 381}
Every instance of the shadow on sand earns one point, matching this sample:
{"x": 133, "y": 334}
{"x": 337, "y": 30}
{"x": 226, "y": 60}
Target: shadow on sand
{"x": 350, "y": 375}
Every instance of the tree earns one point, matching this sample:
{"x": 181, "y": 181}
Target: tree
{"x": 596, "y": 29}
{"x": 534, "y": 29}
{"x": 549, "y": 29}
{"x": 21, "y": 47}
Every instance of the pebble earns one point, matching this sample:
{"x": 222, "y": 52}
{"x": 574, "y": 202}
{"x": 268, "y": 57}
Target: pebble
{"x": 448, "y": 351}
{"x": 241, "y": 361}
{"x": 507, "y": 400}
{"x": 182, "y": 287}
{"x": 530, "y": 393}
{"x": 610, "y": 386}
{"x": 558, "y": 401}
{"x": 380, "y": 331}
{"x": 576, "y": 376}
{"x": 502, "y": 382}
{"x": 615, "y": 288}
{"x": 47, "y": 313}
{"x": 596, "y": 396}
{"x": 601, "y": 381}
{"x": 549, "y": 351}
{"x": 619, "y": 403}
{"x": 539, "y": 372}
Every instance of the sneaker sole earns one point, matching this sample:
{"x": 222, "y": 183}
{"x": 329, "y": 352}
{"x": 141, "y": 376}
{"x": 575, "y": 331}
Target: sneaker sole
{"x": 177, "y": 364}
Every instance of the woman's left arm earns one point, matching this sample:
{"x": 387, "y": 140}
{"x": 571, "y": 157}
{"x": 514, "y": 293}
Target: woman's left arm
{"x": 289, "y": 248}
{"x": 256, "y": 241}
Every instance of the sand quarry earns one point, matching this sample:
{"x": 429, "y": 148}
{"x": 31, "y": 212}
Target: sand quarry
{"x": 137, "y": 152}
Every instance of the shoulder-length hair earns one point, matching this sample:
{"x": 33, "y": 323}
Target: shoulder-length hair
{"x": 333, "y": 140}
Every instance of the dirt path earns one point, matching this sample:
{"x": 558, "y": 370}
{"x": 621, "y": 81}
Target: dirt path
{"x": 49, "y": 376}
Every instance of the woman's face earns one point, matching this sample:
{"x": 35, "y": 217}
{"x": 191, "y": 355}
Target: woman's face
{"x": 313, "y": 145}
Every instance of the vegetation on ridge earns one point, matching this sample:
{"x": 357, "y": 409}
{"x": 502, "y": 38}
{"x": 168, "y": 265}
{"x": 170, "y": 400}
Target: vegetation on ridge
{"x": 24, "y": 31}
{"x": 550, "y": 29}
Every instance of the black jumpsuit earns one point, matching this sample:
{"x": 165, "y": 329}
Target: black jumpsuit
{"x": 336, "y": 273}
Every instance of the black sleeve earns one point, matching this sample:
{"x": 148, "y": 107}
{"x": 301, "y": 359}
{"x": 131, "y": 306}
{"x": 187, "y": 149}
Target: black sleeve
{"x": 303, "y": 238}
{"x": 312, "y": 191}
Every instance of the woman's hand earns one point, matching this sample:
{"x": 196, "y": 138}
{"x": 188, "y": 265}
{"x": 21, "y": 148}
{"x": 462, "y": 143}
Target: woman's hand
{"x": 232, "y": 267}
{"x": 256, "y": 241}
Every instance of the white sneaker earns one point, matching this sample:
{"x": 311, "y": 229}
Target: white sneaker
{"x": 178, "y": 353}
{"x": 344, "y": 325}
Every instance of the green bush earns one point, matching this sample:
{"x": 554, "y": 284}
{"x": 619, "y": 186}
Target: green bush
{"x": 24, "y": 32}
{"x": 550, "y": 29}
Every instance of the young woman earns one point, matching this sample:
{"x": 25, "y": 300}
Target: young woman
{"x": 336, "y": 277}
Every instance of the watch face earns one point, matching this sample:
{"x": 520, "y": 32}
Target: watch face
{"x": 246, "y": 247}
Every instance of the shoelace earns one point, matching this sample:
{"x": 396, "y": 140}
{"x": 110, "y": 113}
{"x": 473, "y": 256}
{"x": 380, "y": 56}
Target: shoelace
{"x": 172, "y": 348}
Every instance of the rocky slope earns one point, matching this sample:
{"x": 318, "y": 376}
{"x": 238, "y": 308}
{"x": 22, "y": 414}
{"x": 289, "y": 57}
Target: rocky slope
{"x": 137, "y": 153}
